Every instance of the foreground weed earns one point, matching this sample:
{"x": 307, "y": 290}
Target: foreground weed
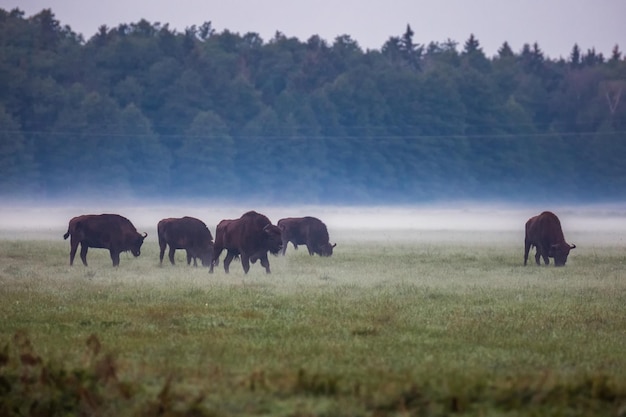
{"x": 32, "y": 385}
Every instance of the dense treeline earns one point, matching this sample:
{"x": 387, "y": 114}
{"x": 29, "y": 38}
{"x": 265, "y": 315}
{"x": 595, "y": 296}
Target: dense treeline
{"x": 143, "y": 110}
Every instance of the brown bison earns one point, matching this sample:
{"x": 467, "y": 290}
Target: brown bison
{"x": 308, "y": 231}
{"x": 186, "y": 233}
{"x": 545, "y": 233}
{"x": 106, "y": 231}
{"x": 251, "y": 237}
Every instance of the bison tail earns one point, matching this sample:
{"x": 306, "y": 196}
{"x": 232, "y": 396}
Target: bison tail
{"x": 66, "y": 235}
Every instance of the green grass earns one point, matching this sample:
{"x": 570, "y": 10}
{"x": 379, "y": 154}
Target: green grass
{"x": 392, "y": 324}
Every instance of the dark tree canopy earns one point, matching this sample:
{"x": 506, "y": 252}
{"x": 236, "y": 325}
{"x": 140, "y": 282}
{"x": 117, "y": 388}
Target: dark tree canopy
{"x": 143, "y": 110}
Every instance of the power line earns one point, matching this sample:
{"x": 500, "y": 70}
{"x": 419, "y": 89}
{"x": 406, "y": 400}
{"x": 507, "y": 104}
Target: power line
{"x": 562, "y": 134}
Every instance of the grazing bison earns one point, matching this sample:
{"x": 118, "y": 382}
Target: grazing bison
{"x": 186, "y": 233}
{"x": 251, "y": 236}
{"x": 106, "y": 231}
{"x": 545, "y": 233}
{"x": 308, "y": 231}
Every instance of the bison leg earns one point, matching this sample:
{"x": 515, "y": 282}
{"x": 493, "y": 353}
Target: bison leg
{"x": 266, "y": 263}
{"x": 541, "y": 253}
{"x": 83, "y": 253}
{"x": 162, "y": 246}
{"x": 73, "y": 248}
{"x": 527, "y": 246}
{"x": 115, "y": 257}
{"x": 245, "y": 262}
{"x": 190, "y": 257}
{"x": 227, "y": 260}
{"x": 171, "y": 254}
{"x": 309, "y": 247}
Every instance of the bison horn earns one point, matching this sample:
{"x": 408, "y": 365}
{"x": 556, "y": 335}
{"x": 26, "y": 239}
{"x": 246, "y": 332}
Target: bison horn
{"x": 145, "y": 235}
{"x": 572, "y": 246}
{"x": 334, "y": 245}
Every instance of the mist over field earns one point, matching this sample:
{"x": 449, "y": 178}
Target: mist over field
{"x": 597, "y": 224}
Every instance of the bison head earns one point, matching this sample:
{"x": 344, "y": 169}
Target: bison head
{"x": 559, "y": 252}
{"x": 135, "y": 248}
{"x": 326, "y": 249}
{"x": 273, "y": 239}
{"x": 206, "y": 255}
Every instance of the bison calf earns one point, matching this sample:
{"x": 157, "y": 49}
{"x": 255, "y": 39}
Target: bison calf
{"x": 544, "y": 232}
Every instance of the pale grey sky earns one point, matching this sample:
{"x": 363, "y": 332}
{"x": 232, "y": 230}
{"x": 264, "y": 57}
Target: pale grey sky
{"x": 556, "y": 25}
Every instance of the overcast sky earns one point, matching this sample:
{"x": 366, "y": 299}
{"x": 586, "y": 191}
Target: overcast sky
{"x": 556, "y": 25}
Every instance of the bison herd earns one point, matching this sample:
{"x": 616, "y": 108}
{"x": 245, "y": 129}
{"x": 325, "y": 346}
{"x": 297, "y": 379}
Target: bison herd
{"x": 249, "y": 237}
{"x": 253, "y": 235}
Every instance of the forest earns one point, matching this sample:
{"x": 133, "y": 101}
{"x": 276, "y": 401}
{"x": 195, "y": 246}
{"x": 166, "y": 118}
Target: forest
{"x": 141, "y": 110}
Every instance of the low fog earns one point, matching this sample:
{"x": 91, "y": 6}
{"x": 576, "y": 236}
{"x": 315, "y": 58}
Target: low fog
{"x": 28, "y": 219}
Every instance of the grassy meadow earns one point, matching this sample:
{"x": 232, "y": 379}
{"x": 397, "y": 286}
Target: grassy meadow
{"x": 395, "y": 323}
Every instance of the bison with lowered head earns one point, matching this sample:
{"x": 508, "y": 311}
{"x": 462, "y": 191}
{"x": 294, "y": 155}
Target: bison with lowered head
{"x": 186, "y": 233}
{"x": 545, "y": 233}
{"x": 106, "y": 231}
{"x": 251, "y": 237}
{"x": 308, "y": 231}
